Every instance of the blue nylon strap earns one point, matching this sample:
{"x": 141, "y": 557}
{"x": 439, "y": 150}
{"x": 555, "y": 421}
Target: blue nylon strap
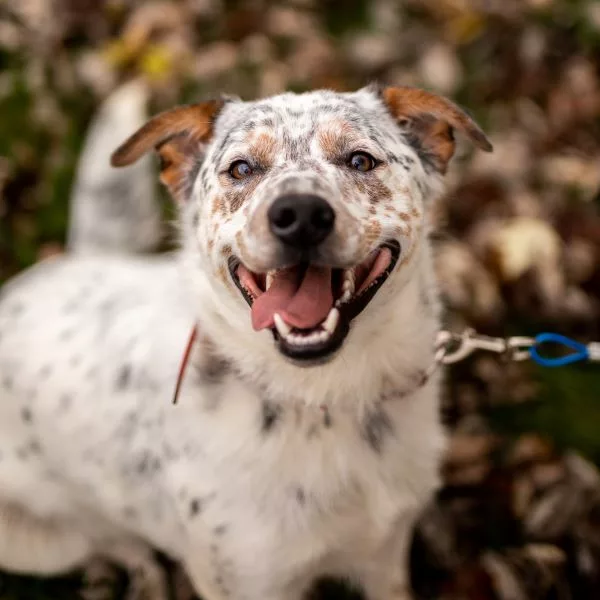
{"x": 580, "y": 351}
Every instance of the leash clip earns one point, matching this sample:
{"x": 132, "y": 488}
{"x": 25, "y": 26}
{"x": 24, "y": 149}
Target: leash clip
{"x": 453, "y": 347}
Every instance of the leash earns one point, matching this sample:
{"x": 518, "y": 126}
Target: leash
{"x": 451, "y": 348}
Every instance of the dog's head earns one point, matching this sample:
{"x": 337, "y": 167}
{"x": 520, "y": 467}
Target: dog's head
{"x": 303, "y": 209}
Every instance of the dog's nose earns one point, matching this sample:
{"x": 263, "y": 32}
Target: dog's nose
{"x": 301, "y": 220}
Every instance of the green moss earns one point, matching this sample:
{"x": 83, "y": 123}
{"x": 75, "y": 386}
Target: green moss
{"x": 567, "y": 409}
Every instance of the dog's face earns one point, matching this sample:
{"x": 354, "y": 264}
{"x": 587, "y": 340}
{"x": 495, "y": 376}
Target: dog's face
{"x": 304, "y": 206}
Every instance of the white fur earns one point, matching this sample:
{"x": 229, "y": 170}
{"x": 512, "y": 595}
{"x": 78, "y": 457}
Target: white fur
{"x": 92, "y": 449}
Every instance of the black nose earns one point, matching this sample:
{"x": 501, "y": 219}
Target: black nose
{"x": 301, "y": 220}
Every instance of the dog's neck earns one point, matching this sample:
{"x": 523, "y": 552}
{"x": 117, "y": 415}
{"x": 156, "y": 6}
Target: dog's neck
{"x": 387, "y": 352}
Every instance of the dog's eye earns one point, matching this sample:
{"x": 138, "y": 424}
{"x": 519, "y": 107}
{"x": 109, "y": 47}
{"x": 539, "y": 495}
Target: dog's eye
{"x": 240, "y": 169}
{"x": 361, "y": 161}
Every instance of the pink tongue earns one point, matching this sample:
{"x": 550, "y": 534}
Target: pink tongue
{"x": 300, "y": 304}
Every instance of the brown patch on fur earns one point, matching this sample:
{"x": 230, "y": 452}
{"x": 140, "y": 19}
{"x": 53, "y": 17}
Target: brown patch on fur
{"x": 403, "y": 215}
{"x": 263, "y": 149}
{"x": 223, "y": 275}
{"x": 238, "y": 193}
{"x": 377, "y": 191}
{"x": 226, "y": 250}
{"x": 405, "y": 230}
{"x": 210, "y": 244}
{"x": 372, "y": 233}
{"x": 176, "y": 135}
{"x": 335, "y": 137}
{"x": 372, "y": 209}
{"x": 431, "y": 120}
{"x": 219, "y": 206}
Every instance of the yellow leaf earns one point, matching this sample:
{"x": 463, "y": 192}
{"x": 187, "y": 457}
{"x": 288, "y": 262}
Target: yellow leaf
{"x": 465, "y": 27}
{"x": 156, "y": 63}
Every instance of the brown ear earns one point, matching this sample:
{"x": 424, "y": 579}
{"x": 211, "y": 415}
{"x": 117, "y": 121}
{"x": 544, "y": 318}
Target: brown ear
{"x": 177, "y": 136}
{"x": 429, "y": 121}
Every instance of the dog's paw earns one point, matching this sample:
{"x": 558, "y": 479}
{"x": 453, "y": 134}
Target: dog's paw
{"x": 147, "y": 581}
{"x": 100, "y": 581}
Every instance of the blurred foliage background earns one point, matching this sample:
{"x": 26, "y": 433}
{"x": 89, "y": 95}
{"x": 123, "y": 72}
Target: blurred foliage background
{"x": 518, "y": 231}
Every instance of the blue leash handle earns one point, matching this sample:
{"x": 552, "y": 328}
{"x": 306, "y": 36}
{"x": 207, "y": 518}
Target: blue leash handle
{"x": 580, "y": 352}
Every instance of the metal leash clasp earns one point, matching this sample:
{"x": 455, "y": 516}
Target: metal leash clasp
{"x": 454, "y": 347}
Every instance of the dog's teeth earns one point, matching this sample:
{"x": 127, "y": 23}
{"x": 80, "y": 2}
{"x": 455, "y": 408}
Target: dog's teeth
{"x": 349, "y": 280}
{"x": 282, "y": 327}
{"x": 268, "y": 280}
{"x": 345, "y": 297}
{"x": 331, "y": 321}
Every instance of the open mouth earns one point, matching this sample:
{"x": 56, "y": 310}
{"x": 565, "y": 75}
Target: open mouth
{"x": 309, "y": 307}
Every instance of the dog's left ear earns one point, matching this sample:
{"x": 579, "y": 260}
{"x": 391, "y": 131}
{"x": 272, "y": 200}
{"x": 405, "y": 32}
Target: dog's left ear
{"x": 178, "y": 136}
{"x": 429, "y": 121}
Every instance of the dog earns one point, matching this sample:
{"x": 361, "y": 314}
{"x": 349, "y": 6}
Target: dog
{"x": 306, "y": 436}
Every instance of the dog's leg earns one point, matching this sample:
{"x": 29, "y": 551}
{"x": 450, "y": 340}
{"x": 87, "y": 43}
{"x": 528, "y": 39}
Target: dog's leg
{"x": 147, "y": 579}
{"x": 385, "y": 575}
{"x": 29, "y": 544}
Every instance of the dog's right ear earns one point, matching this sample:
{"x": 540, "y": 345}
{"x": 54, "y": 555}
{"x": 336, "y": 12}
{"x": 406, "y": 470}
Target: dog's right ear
{"x": 178, "y": 136}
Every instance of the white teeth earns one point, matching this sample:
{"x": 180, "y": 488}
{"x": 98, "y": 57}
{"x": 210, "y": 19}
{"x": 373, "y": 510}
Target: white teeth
{"x": 268, "y": 280}
{"x": 348, "y": 287}
{"x": 321, "y": 334}
{"x": 282, "y": 327}
{"x": 306, "y": 340}
{"x": 345, "y": 297}
{"x": 349, "y": 281}
{"x": 331, "y": 321}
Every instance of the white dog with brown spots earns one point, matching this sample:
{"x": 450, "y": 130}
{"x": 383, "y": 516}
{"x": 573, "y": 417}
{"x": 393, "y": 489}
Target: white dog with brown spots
{"x": 306, "y": 436}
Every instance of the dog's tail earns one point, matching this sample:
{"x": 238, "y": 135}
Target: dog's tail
{"x": 115, "y": 210}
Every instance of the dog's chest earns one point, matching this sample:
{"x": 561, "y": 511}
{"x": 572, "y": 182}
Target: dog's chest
{"x": 311, "y": 474}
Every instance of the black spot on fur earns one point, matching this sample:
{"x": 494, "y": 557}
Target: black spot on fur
{"x": 26, "y": 415}
{"x": 31, "y": 448}
{"x": 220, "y": 529}
{"x": 148, "y": 464}
{"x": 326, "y": 417}
{"x": 376, "y": 427}
{"x": 270, "y": 415}
{"x": 300, "y": 496}
{"x": 212, "y": 370}
{"x": 195, "y": 507}
{"x": 123, "y": 377}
